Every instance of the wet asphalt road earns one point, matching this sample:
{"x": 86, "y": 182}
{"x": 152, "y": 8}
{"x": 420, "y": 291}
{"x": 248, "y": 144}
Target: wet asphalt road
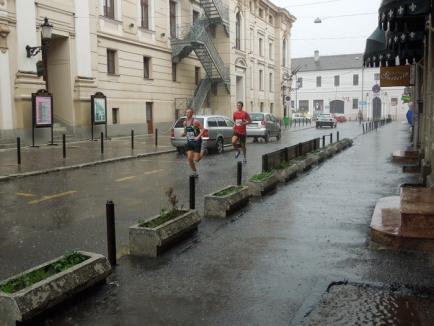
{"x": 257, "y": 268}
{"x": 43, "y": 216}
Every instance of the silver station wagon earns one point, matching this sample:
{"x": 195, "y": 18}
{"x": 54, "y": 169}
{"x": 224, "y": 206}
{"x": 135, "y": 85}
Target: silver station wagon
{"x": 264, "y": 125}
{"x": 219, "y": 132}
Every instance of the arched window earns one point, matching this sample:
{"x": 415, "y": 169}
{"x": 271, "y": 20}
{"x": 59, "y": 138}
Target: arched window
{"x": 284, "y": 53}
{"x": 238, "y": 32}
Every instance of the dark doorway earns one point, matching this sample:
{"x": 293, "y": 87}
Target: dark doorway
{"x": 149, "y": 118}
{"x": 376, "y": 108}
{"x": 337, "y": 106}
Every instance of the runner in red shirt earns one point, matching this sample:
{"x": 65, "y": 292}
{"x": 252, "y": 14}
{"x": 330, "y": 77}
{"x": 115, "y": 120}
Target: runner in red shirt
{"x": 241, "y": 119}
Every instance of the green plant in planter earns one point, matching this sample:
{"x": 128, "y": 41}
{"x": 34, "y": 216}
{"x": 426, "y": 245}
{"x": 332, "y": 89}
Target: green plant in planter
{"x": 166, "y": 214}
{"x": 228, "y": 191}
{"x": 261, "y": 176}
{"x": 69, "y": 260}
{"x": 282, "y": 165}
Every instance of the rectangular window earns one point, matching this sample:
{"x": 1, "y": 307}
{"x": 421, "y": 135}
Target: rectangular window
{"x": 376, "y": 76}
{"x": 270, "y": 51}
{"x": 355, "y": 80}
{"x": 214, "y": 89}
{"x": 115, "y": 116}
{"x": 144, "y": 9}
{"x": 146, "y": 67}
{"x": 318, "y": 81}
{"x": 303, "y": 105}
{"x": 270, "y": 19}
{"x": 172, "y": 15}
{"x": 292, "y": 104}
{"x": 336, "y": 81}
{"x": 196, "y": 75}
{"x": 355, "y": 103}
{"x": 318, "y": 105}
{"x": 109, "y": 8}
{"x": 261, "y": 47}
{"x": 174, "y": 71}
{"x": 270, "y": 81}
{"x": 261, "y": 13}
{"x": 261, "y": 107}
{"x": 252, "y": 42}
{"x": 394, "y": 101}
{"x": 261, "y": 80}
{"x": 111, "y": 62}
{"x": 271, "y": 107}
{"x": 299, "y": 82}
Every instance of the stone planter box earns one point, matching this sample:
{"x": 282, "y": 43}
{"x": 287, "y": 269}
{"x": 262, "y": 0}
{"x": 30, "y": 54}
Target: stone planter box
{"x": 146, "y": 241}
{"x": 312, "y": 158}
{"x": 222, "y": 206}
{"x": 287, "y": 174}
{"x": 30, "y": 301}
{"x": 416, "y": 207}
{"x": 262, "y": 187}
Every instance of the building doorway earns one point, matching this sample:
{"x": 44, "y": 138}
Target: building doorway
{"x": 337, "y": 106}
{"x": 150, "y": 117}
{"x": 376, "y": 108}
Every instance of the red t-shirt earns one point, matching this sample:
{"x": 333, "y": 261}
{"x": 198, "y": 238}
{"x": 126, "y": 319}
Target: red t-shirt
{"x": 240, "y": 116}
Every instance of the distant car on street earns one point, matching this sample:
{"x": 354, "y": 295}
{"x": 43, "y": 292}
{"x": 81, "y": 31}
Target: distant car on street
{"x": 324, "y": 120}
{"x": 264, "y": 125}
{"x": 296, "y": 117}
{"x": 340, "y": 117}
{"x": 219, "y": 131}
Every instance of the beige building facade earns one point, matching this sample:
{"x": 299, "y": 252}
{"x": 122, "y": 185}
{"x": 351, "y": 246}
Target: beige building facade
{"x": 129, "y": 51}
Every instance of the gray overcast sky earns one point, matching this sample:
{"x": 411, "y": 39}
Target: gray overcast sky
{"x": 334, "y": 35}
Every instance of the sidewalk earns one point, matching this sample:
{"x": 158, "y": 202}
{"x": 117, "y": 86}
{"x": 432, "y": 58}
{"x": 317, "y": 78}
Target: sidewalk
{"x": 261, "y": 266}
{"x": 45, "y": 159}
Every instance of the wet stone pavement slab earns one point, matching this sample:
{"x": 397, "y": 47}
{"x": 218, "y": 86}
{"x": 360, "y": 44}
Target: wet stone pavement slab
{"x": 361, "y": 304}
{"x": 260, "y": 266}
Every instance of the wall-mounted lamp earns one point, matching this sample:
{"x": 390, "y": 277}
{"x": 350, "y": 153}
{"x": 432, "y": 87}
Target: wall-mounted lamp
{"x": 46, "y": 33}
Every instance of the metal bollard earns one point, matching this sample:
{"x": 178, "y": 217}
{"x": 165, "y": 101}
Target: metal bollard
{"x": 239, "y": 173}
{"x": 363, "y": 126}
{"x": 64, "y": 145}
{"x": 111, "y": 232}
{"x": 337, "y": 135}
{"x": 331, "y": 138}
{"x": 300, "y": 149}
{"x": 132, "y": 138}
{"x": 323, "y": 141}
{"x": 102, "y": 142}
{"x": 156, "y": 137}
{"x": 19, "y": 150}
{"x": 192, "y": 192}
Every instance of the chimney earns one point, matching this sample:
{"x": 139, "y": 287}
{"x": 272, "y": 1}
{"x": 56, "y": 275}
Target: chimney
{"x": 316, "y": 56}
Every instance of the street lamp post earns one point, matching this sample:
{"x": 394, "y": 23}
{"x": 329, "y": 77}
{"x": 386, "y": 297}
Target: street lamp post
{"x": 46, "y": 34}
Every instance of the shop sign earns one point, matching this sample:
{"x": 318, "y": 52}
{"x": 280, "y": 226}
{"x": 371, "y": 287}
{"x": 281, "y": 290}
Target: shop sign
{"x": 395, "y": 76}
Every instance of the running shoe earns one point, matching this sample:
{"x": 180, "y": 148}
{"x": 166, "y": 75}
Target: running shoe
{"x": 195, "y": 174}
{"x": 245, "y": 161}
{"x": 237, "y": 154}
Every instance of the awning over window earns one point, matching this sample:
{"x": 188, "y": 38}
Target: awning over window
{"x": 403, "y": 15}
{"x": 400, "y": 33}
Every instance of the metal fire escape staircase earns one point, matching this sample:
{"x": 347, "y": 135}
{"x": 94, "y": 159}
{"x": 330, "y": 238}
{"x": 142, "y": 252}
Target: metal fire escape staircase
{"x": 197, "y": 39}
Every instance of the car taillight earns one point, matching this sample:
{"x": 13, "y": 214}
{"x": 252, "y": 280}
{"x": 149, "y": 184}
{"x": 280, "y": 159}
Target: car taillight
{"x": 263, "y": 122}
{"x": 172, "y": 133}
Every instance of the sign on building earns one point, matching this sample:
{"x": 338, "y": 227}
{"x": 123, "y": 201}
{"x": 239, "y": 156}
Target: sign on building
{"x": 395, "y": 76}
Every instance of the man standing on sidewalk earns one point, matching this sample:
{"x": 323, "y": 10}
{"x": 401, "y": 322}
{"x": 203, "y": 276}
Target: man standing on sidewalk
{"x": 194, "y": 131}
{"x": 241, "y": 119}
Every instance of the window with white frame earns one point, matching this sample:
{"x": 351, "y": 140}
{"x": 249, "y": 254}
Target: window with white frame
{"x": 270, "y": 19}
{"x": 144, "y": 11}
{"x": 355, "y": 80}
{"x": 172, "y": 17}
{"x": 261, "y": 80}
{"x": 109, "y": 8}
{"x": 270, "y": 50}
{"x": 318, "y": 81}
{"x": 355, "y": 103}
{"x": 112, "y": 62}
{"x": 238, "y": 32}
{"x": 147, "y": 67}
{"x": 261, "y": 13}
{"x": 284, "y": 53}
{"x": 270, "y": 82}
{"x": 337, "y": 81}
{"x": 261, "y": 47}
{"x": 376, "y": 76}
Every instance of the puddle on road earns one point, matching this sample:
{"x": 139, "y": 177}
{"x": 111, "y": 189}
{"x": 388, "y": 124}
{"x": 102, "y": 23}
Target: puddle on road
{"x": 368, "y": 305}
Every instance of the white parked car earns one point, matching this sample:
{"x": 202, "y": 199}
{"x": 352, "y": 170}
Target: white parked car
{"x": 325, "y": 119}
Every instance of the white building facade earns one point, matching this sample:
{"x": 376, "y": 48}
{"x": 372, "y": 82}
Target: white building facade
{"x": 339, "y": 84}
{"x": 139, "y": 55}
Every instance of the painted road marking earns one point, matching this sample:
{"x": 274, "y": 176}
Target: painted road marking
{"x": 49, "y": 197}
{"x": 125, "y": 178}
{"x": 25, "y": 194}
{"x": 153, "y": 171}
